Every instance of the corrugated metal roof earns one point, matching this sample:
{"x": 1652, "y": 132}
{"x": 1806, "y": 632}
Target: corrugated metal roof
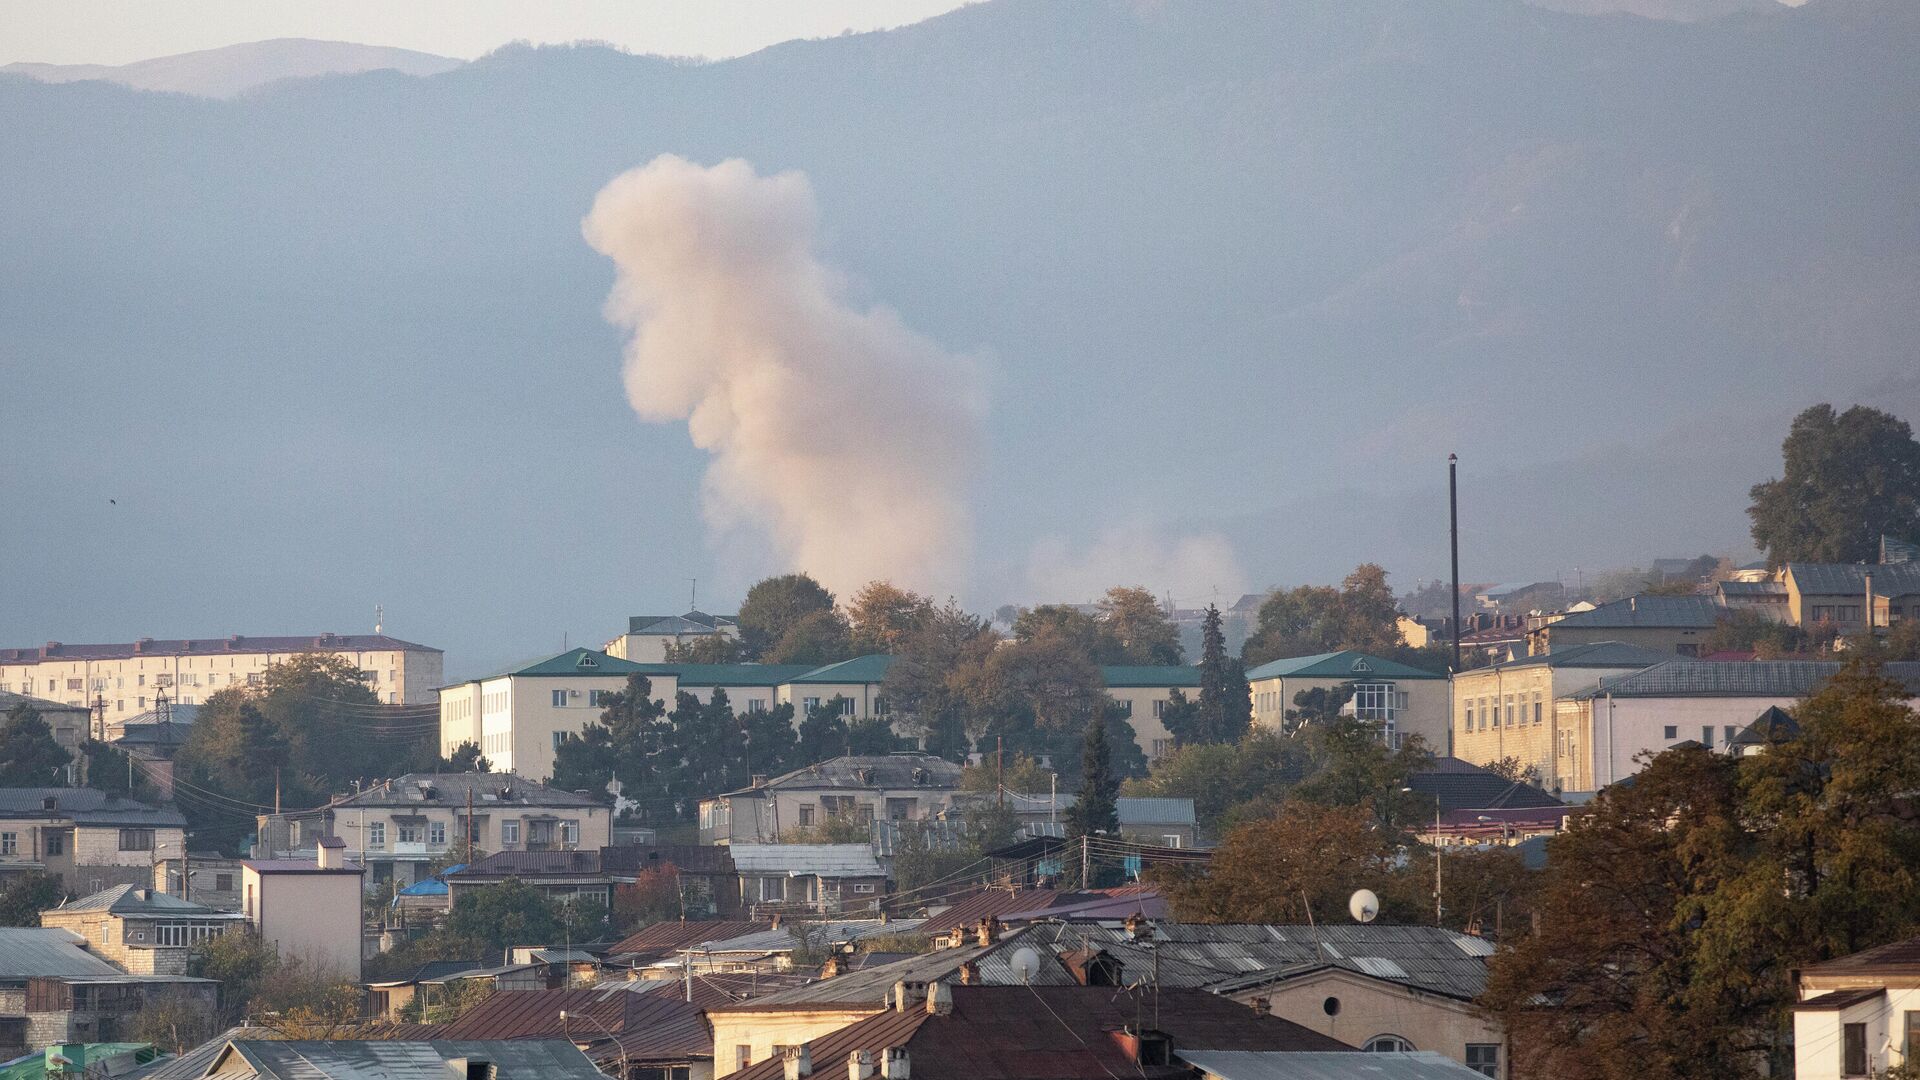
{"x": 136, "y": 900}
{"x": 1642, "y": 612}
{"x": 1751, "y": 678}
{"x": 868, "y": 771}
{"x": 85, "y": 806}
{"x": 648, "y": 1026}
{"x": 1056, "y": 1032}
{"x": 193, "y": 1064}
{"x": 29, "y": 952}
{"x": 1135, "y": 811}
{"x": 871, "y": 668}
{"x": 210, "y": 646}
{"x": 452, "y": 789}
{"x": 664, "y": 938}
{"x": 872, "y": 985}
{"x": 1150, "y": 675}
{"x": 1598, "y": 654}
{"x": 1460, "y": 785}
{"x": 1257, "y": 1065}
{"x": 836, "y": 932}
{"x": 1345, "y": 664}
{"x": 824, "y": 860}
{"x": 1850, "y": 579}
{"x": 347, "y": 1059}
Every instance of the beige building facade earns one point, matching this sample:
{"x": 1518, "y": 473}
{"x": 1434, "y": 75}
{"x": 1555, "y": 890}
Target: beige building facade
{"x": 139, "y": 930}
{"x": 1142, "y": 692}
{"x": 1382, "y": 1015}
{"x": 649, "y": 636}
{"x": 129, "y": 677}
{"x": 86, "y": 837}
{"x": 1403, "y": 700}
{"x": 1514, "y": 710}
{"x": 307, "y": 908}
{"x": 518, "y": 717}
{"x": 399, "y": 828}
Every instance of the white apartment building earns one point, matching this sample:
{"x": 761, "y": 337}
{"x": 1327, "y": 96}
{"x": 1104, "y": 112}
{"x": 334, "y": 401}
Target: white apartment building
{"x": 1598, "y": 733}
{"x": 128, "y": 677}
{"x": 518, "y": 717}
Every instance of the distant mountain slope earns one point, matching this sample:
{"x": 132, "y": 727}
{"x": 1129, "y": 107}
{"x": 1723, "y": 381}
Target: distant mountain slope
{"x": 1239, "y": 265}
{"x": 235, "y": 69}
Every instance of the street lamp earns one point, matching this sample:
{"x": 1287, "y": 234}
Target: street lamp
{"x": 626, "y": 1073}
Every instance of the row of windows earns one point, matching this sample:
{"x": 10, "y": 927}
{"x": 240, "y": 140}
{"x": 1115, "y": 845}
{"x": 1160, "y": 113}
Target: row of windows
{"x": 1672, "y": 733}
{"x": 1513, "y": 709}
{"x": 183, "y": 933}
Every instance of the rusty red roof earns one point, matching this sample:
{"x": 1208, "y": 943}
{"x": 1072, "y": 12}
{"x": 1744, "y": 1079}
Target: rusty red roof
{"x": 1052, "y": 1033}
{"x": 1000, "y": 903}
{"x": 661, "y": 938}
{"x": 651, "y": 1026}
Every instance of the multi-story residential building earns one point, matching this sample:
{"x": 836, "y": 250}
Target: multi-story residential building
{"x": 1676, "y": 625}
{"x": 885, "y": 787}
{"x": 855, "y": 682}
{"x": 648, "y": 636}
{"x": 1507, "y": 710}
{"x": 128, "y": 677}
{"x": 397, "y": 829}
{"x": 90, "y": 839}
{"x": 308, "y": 908}
{"x": 141, "y": 931}
{"x": 1403, "y": 700}
{"x": 750, "y": 688}
{"x": 1142, "y": 692}
{"x": 1598, "y": 732}
{"x": 517, "y": 717}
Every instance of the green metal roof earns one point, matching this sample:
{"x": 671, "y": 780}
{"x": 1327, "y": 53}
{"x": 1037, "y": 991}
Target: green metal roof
{"x": 1137, "y": 675}
{"x": 861, "y": 669}
{"x": 582, "y": 662}
{"x": 704, "y": 675}
{"x": 1346, "y": 664}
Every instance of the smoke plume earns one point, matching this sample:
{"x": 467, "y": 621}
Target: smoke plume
{"x": 1194, "y": 568}
{"x": 845, "y": 437}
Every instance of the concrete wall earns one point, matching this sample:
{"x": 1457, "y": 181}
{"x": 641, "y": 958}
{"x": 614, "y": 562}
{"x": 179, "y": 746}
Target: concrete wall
{"x": 762, "y": 1031}
{"x": 1368, "y": 1008}
{"x": 1817, "y": 1035}
{"x": 311, "y": 915}
{"x": 861, "y": 694}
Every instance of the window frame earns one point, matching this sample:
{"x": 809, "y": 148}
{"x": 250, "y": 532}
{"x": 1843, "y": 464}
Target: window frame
{"x": 1489, "y": 1052}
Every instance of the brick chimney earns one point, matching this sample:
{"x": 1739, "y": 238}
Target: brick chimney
{"x": 797, "y": 1062}
{"x": 831, "y": 968}
{"x": 940, "y": 999}
{"x": 906, "y": 995}
{"x": 988, "y": 929}
{"x": 969, "y": 974}
{"x": 860, "y": 1065}
{"x": 895, "y": 1064}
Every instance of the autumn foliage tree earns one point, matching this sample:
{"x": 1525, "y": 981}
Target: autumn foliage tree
{"x": 1307, "y": 857}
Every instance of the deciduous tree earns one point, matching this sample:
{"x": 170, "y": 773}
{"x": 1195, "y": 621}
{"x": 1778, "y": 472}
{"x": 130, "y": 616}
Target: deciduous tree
{"x": 1847, "y": 479}
{"x": 1136, "y": 629}
{"x": 883, "y": 616}
{"x": 1274, "y": 870}
{"x": 775, "y": 605}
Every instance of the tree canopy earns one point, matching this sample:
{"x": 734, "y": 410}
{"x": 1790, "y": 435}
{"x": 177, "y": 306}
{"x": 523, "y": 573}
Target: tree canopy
{"x": 29, "y": 756}
{"x": 1361, "y": 614}
{"x": 1847, "y": 479}
{"x": 777, "y": 605}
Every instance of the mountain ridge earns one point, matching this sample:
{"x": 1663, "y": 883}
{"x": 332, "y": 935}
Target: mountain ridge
{"x": 1239, "y": 268}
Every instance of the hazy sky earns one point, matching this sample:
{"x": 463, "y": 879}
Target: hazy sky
{"x": 121, "y": 31}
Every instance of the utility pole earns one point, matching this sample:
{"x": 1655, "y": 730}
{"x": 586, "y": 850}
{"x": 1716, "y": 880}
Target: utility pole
{"x": 1453, "y": 517}
{"x": 1083, "y": 861}
{"x": 469, "y": 851}
{"x": 1000, "y": 769}
{"x": 1438, "y": 914}
{"x": 100, "y": 715}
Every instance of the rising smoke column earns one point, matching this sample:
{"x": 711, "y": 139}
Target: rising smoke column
{"x": 846, "y": 437}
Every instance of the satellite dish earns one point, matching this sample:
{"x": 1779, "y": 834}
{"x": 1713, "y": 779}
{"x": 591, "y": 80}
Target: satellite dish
{"x": 1026, "y": 964}
{"x": 1364, "y": 906}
